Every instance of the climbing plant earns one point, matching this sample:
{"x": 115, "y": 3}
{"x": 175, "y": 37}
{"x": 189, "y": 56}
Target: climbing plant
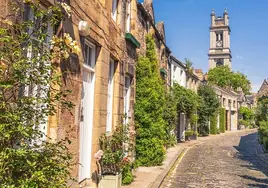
{"x": 171, "y": 118}
{"x": 222, "y": 120}
{"x": 207, "y": 108}
{"x": 27, "y": 75}
{"x": 247, "y": 115}
{"x": 149, "y": 109}
{"x": 213, "y": 123}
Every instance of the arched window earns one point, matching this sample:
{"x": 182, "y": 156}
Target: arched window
{"x": 219, "y": 62}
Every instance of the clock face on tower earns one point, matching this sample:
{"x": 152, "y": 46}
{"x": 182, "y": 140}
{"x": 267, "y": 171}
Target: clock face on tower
{"x": 219, "y": 43}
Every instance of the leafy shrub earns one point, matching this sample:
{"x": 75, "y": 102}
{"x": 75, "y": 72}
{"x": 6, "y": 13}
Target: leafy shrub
{"x": 28, "y": 158}
{"x": 246, "y": 123}
{"x": 149, "y": 109}
{"x": 213, "y": 123}
{"x": 171, "y": 118}
{"x": 127, "y": 175}
{"x": 191, "y": 133}
{"x": 209, "y": 105}
{"x": 222, "y": 120}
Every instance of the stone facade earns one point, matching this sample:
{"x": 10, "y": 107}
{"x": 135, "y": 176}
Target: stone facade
{"x": 263, "y": 91}
{"x": 192, "y": 82}
{"x": 229, "y": 100}
{"x": 219, "y": 51}
{"x": 102, "y": 77}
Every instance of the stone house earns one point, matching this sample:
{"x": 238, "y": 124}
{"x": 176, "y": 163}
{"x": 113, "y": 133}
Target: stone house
{"x": 111, "y": 35}
{"x": 263, "y": 91}
{"x": 230, "y": 101}
{"x": 192, "y": 82}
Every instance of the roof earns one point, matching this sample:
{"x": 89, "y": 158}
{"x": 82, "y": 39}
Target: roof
{"x": 151, "y": 19}
{"x": 177, "y": 61}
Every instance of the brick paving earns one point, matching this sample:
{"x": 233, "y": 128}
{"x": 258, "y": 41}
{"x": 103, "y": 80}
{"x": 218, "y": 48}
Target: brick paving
{"x": 234, "y": 159}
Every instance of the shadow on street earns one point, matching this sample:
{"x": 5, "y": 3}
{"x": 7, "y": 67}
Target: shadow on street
{"x": 250, "y": 151}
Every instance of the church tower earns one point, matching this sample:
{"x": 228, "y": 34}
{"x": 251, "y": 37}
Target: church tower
{"x": 219, "y": 51}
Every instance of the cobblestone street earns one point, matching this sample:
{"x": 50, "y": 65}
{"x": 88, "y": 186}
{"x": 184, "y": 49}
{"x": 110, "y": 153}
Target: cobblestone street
{"x": 234, "y": 159}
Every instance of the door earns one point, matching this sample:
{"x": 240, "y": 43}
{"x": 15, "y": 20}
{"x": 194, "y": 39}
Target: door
{"x": 86, "y": 123}
{"x": 87, "y": 106}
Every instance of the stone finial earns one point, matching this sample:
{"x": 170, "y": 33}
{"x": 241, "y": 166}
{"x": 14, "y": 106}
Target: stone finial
{"x": 213, "y": 12}
{"x": 225, "y": 11}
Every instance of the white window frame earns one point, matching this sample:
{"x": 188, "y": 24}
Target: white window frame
{"x": 114, "y": 9}
{"x": 127, "y": 92}
{"x": 109, "y": 121}
{"x": 128, "y": 22}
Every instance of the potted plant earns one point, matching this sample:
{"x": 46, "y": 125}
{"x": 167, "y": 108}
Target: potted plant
{"x": 112, "y": 159}
{"x": 190, "y": 135}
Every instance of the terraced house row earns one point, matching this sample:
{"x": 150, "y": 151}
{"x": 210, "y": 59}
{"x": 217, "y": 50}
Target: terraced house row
{"x": 111, "y": 35}
{"x": 102, "y": 77}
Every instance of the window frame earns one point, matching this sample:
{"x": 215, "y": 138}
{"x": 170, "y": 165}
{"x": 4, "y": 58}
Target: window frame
{"x": 114, "y": 9}
{"x": 110, "y": 96}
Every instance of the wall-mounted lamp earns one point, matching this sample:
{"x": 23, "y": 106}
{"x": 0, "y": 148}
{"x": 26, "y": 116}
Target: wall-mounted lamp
{"x": 83, "y": 28}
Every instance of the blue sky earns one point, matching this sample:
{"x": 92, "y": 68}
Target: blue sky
{"x": 187, "y": 32}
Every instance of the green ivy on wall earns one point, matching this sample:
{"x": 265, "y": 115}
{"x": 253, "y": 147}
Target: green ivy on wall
{"x": 213, "y": 123}
{"x": 149, "y": 109}
{"x": 222, "y": 120}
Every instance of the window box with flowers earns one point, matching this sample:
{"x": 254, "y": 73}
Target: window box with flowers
{"x": 114, "y": 165}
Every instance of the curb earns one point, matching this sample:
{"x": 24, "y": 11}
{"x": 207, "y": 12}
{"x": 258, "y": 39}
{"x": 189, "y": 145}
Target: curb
{"x": 171, "y": 166}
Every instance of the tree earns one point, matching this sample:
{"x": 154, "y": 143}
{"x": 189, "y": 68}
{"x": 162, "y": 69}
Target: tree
{"x": 149, "y": 109}
{"x": 209, "y": 106}
{"x": 222, "y": 76}
{"x": 171, "y": 118}
{"x": 189, "y": 66}
{"x": 27, "y": 157}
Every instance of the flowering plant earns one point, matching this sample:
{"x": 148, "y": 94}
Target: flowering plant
{"x": 113, "y": 155}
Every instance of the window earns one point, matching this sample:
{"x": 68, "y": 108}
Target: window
{"x": 128, "y": 26}
{"x": 114, "y": 9}
{"x": 89, "y": 53}
{"x": 34, "y": 55}
{"x": 110, "y": 96}
{"x": 219, "y": 62}
{"x": 127, "y": 98}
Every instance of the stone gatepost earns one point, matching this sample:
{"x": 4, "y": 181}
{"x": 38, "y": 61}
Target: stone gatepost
{"x": 182, "y": 127}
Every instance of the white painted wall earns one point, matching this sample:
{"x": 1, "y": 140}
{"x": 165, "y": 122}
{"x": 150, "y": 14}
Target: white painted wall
{"x": 178, "y": 74}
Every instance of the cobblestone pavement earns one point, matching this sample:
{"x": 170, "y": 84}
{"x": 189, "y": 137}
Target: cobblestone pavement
{"x": 234, "y": 159}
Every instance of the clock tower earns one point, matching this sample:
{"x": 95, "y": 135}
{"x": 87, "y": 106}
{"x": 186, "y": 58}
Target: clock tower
{"x": 219, "y": 51}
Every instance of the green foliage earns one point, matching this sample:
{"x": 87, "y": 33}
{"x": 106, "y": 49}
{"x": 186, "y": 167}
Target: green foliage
{"x": 171, "y": 118}
{"x": 213, "y": 123}
{"x": 149, "y": 109}
{"x": 114, "y": 150}
{"x": 209, "y": 105}
{"x": 222, "y": 120}
{"x": 187, "y": 100}
{"x": 224, "y": 77}
{"x": 246, "y": 123}
{"x": 189, "y": 66}
{"x": 127, "y": 175}
{"x": 247, "y": 117}
{"x": 190, "y": 133}
{"x": 246, "y": 113}
{"x": 261, "y": 113}
{"x": 26, "y": 159}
